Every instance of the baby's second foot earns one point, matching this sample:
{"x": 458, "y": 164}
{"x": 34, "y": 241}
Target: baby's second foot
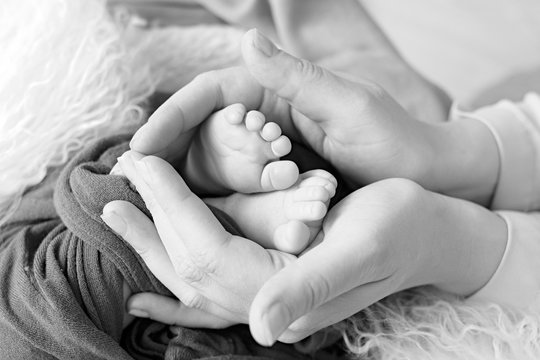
{"x": 238, "y": 152}
{"x": 287, "y": 220}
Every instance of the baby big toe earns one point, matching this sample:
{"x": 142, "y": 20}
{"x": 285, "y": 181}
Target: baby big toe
{"x": 292, "y": 237}
{"x": 234, "y": 114}
{"x": 279, "y": 175}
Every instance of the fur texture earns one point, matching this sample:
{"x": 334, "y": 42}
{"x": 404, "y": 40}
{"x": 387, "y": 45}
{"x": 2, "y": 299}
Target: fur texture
{"x": 424, "y": 324}
{"x": 66, "y": 79}
{"x": 71, "y": 73}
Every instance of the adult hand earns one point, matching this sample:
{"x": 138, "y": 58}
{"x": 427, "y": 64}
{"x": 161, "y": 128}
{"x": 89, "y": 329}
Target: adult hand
{"x": 385, "y": 237}
{"x": 213, "y": 273}
{"x": 356, "y": 125}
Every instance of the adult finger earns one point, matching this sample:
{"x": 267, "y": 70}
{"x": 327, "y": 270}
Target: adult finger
{"x": 193, "y": 238}
{"x": 173, "y": 312}
{"x": 192, "y": 104}
{"x": 337, "y": 309}
{"x": 320, "y": 275}
{"x": 164, "y": 188}
{"x": 139, "y": 231}
{"x": 306, "y": 86}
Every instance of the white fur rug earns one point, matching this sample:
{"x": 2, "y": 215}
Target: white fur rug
{"x": 70, "y": 74}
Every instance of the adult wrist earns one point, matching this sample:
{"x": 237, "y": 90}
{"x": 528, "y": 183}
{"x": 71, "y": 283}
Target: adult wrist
{"x": 470, "y": 240}
{"x": 463, "y": 160}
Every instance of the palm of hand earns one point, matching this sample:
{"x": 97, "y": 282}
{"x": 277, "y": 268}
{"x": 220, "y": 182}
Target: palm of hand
{"x": 366, "y": 141}
{"x": 233, "y": 284}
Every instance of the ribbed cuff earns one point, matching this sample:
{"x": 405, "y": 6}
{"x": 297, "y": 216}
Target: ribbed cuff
{"x": 516, "y": 130}
{"x": 516, "y": 282}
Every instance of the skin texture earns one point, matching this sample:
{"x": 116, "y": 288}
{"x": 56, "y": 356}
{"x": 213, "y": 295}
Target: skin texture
{"x": 385, "y": 237}
{"x": 409, "y": 237}
{"x": 235, "y": 151}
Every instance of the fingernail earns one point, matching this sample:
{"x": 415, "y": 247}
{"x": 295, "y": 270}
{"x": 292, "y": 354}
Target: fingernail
{"x": 116, "y": 170}
{"x": 136, "y": 138}
{"x": 115, "y": 222}
{"x": 138, "y": 313}
{"x": 264, "y": 45}
{"x": 274, "y": 322}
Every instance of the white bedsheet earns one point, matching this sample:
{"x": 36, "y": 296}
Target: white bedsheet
{"x": 465, "y": 46}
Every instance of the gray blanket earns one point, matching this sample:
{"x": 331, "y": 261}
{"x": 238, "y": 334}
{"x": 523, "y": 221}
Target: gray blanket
{"x": 62, "y": 271}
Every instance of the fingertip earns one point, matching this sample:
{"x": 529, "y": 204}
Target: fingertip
{"x": 116, "y": 170}
{"x": 269, "y": 322}
{"x": 255, "y": 42}
{"x": 112, "y": 217}
{"x": 136, "y": 142}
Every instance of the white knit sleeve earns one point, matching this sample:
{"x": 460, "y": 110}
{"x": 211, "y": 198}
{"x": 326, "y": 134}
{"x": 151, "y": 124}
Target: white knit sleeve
{"x": 516, "y": 129}
{"x": 516, "y": 282}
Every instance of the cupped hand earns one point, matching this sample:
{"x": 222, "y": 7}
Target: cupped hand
{"x": 214, "y": 274}
{"x": 356, "y": 125}
{"x": 359, "y": 258}
{"x": 385, "y": 237}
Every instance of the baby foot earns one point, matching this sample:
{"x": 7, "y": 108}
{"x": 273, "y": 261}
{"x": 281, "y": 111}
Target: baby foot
{"x": 287, "y": 220}
{"x": 235, "y": 151}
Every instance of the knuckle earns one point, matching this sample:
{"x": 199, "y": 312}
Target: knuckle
{"x": 188, "y": 271}
{"x": 204, "y": 261}
{"x": 317, "y": 289}
{"x": 309, "y": 70}
{"x": 194, "y": 300}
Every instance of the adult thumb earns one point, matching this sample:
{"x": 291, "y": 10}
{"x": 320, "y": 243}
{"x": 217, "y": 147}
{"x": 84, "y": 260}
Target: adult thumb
{"x": 312, "y": 90}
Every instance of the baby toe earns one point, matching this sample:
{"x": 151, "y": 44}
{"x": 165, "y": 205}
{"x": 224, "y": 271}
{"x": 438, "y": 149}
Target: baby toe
{"x": 319, "y": 173}
{"x": 328, "y": 184}
{"x": 307, "y": 210}
{"x": 234, "y": 114}
{"x": 255, "y": 120}
{"x": 282, "y": 146}
{"x": 311, "y": 193}
{"x": 271, "y": 131}
{"x": 292, "y": 237}
{"x": 279, "y": 175}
